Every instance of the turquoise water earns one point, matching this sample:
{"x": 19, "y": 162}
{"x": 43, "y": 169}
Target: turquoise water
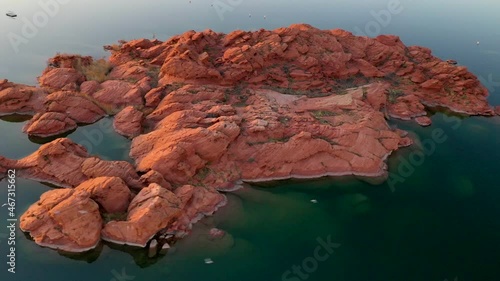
{"x": 440, "y": 221}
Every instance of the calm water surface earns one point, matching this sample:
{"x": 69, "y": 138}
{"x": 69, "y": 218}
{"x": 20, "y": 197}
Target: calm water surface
{"x": 442, "y": 222}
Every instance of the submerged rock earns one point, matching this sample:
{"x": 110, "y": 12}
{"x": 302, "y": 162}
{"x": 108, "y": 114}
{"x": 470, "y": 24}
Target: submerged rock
{"x": 164, "y": 249}
{"x": 67, "y": 164}
{"x": 423, "y": 121}
{"x": 216, "y": 233}
{"x": 61, "y": 78}
{"x": 153, "y": 248}
{"x": 22, "y": 99}
{"x": 48, "y": 124}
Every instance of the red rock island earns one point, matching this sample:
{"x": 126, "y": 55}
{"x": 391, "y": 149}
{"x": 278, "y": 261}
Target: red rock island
{"x": 207, "y": 111}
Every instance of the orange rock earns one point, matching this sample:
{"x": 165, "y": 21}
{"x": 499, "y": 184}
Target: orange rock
{"x": 138, "y": 43}
{"x": 75, "y": 105}
{"x": 89, "y": 87}
{"x": 5, "y": 165}
{"x": 149, "y": 212}
{"x": 129, "y": 122}
{"x": 154, "y": 177}
{"x": 196, "y": 202}
{"x": 68, "y": 61}
{"x": 94, "y": 167}
{"x": 433, "y": 84}
{"x": 64, "y": 219}
{"x": 181, "y": 153}
{"x": 389, "y": 40}
{"x": 154, "y": 96}
{"x": 177, "y": 69}
{"x": 111, "y": 193}
{"x": 367, "y": 69}
{"x": 406, "y": 107}
{"x": 61, "y": 79}
{"x": 417, "y": 77}
{"x": 49, "y": 124}
{"x": 131, "y": 70}
{"x": 423, "y": 121}
{"x": 118, "y": 93}
{"x": 20, "y": 98}
{"x": 218, "y": 109}
{"x": 67, "y": 164}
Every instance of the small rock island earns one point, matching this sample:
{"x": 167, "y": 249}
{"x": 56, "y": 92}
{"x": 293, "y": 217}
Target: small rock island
{"x": 207, "y": 111}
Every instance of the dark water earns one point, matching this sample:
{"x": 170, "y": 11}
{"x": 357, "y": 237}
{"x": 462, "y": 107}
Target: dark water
{"x": 438, "y": 217}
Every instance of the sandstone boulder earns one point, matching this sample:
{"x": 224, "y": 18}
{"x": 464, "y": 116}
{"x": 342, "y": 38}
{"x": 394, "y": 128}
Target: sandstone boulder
{"x": 67, "y": 164}
{"x": 49, "y": 124}
{"x": 152, "y": 210}
{"x": 129, "y": 122}
{"x": 64, "y": 219}
{"x": 61, "y": 79}
{"x": 218, "y": 109}
{"x": 20, "y": 99}
{"x": 111, "y": 193}
{"x": 423, "y": 121}
{"x": 117, "y": 94}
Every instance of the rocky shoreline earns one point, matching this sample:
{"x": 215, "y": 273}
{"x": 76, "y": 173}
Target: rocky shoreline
{"x": 207, "y": 111}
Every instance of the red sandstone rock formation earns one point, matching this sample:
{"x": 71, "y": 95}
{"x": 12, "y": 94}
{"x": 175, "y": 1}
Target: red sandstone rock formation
{"x": 69, "y": 219}
{"x": 64, "y": 219}
{"x": 111, "y": 193}
{"x": 216, "y": 233}
{"x": 195, "y": 202}
{"x": 22, "y": 99}
{"x": 149, "y": 212}
{"x": 208, "y": 110}
{"x": 297, "y": 58}
{"x": 67, "y": 164}
{"x": 423, "y": 121}
{"x": 129, "y": 122}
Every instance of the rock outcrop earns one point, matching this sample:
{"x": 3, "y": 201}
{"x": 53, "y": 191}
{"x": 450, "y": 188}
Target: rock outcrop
{"x": 129, "y": 122}
{"x": 196, "y": 202}
{"x": 206, "y": 111}
{"x": 423, "y": 121}
{"x": 64, "y": 219}
{"x": 20, "y": 99}
{"x": 111, "y": 193}
{"x": 63, "y": 110}
{"x": 67, "y": 164}
{"x": 61, "y": 78}
{"x": 149, "y": 212}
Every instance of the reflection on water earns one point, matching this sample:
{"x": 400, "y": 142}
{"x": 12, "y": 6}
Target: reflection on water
{"x": 99, "y": 139}
{"x": 15, "y": 118}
